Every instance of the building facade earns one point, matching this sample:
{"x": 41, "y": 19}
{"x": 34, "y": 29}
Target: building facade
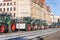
{"x": 26, "y": 8}
{"x": 56, "y": 18}
{"x": 8, "y": 6}
{"x": 52, "y": 17}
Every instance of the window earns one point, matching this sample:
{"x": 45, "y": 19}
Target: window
{"x": 7, "y": 9}
{"x": 7, "y": 4}
{"x": 14, "y": 8}
{"x": 4, "y": 9}
{"x": 14, "y": 3}
{"x": 11, "y": 14}
{"x": 11, "y": 4}
{"x": 0, "y": 4}
{"x": 14, "y": 14}
{"x": 0, "y": 9}
{"x": 11, "y": 9}
{"x": 4, "y": 4}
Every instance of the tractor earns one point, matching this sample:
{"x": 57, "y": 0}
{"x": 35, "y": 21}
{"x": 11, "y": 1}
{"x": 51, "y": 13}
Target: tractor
{"x": 58, "y": 23}
{"x": 27, "y": 23}
{"x": 38, "y": 22}
{"x": 7, "y": 23}
{"x": 44, "y": 25}
{"x": 54, "y": 25}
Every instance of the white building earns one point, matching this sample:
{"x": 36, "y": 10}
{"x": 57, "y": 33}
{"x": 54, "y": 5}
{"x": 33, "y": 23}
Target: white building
{"x": 56, "y": 18}
{"x": 52, "y": 17}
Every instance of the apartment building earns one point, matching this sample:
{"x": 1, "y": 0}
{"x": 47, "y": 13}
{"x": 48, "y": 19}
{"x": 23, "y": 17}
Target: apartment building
{"x": 8, "y": 6}
{"x": 26, "y": 8}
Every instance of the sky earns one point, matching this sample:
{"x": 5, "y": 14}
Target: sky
{"x": 54, "y": 6}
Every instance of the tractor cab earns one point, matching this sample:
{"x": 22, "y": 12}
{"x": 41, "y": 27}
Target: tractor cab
{"x": 4, "y": 18}
{"x": 53, "y": 25}
{"x": 27, "y": 20}
{"x": 6, "y": 23}
{"x": 44, "y": 25}
{"x": 38, "y": 22}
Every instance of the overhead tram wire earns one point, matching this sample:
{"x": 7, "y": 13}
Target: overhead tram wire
{"x": 53, "y": 4}
{"x": 49, "y": 2}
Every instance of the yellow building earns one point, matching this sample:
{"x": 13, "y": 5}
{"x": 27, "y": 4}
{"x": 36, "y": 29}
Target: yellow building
{"x": 26, "y": 8}
{"x": 40, "y": 13}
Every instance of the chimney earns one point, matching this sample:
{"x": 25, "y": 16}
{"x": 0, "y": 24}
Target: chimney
{"x": 41, "y": 2}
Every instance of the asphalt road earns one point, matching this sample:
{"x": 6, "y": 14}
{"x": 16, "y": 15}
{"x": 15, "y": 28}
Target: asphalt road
{"x": 53, "y": 36}
{"x": 25, "y": 35}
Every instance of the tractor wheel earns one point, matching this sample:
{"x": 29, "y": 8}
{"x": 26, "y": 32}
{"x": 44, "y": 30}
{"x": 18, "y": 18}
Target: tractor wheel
{"x": 12, "y": 27}
{"x": 46, "y": 27}
{"x": 34, "y": 27}
{"x": 38, "y": 27}
{"x": 28, "y": 27}
{"x": 42, "y": 27}
{"x": 2, "y": 29}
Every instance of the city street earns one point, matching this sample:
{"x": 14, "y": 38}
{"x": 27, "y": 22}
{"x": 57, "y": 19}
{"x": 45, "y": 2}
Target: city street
{"x": 29, "y": 20}
{"x": 28, "y": 35}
